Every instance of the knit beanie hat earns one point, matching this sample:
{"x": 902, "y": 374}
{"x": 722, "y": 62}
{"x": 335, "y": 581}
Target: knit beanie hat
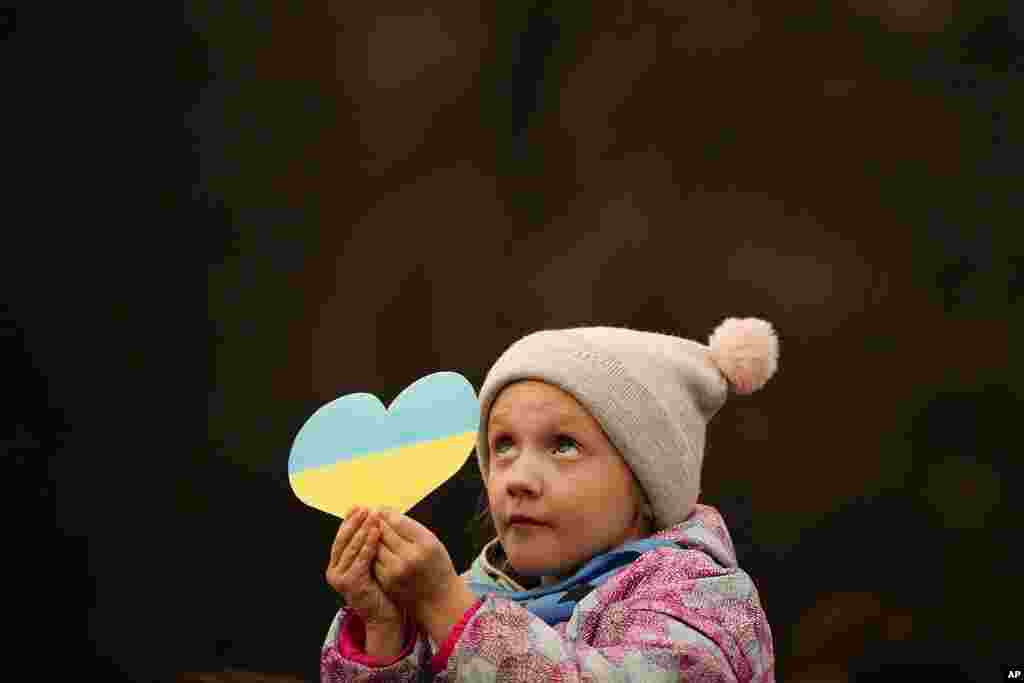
{"x": 653, "y": 394}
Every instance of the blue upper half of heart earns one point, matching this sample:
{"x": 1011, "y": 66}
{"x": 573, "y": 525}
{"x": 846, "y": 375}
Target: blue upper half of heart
{"x": 434, "y": 407}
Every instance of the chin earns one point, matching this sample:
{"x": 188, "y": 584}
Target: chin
{"x": 537, "y": 564}
{"x": 530, "y": 563}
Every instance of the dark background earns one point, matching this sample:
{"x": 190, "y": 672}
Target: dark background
{"x": 364, "y": 195}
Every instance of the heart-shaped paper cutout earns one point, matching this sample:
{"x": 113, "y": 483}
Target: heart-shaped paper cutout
{"x": 352, "y": 451}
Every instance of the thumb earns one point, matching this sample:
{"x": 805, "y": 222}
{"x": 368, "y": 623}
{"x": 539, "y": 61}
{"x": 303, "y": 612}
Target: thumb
{"x": 402, "y": 525}
{"x": 390, "y": 539}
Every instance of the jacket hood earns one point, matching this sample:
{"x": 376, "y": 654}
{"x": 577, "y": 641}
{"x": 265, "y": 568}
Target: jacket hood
{"x": 704, "y": 530}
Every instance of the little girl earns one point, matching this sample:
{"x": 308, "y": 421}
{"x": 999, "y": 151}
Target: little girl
{"x": 605, "y": 566}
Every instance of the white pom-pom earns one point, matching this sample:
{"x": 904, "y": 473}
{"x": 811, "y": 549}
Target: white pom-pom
{"x": 746, "y": 351}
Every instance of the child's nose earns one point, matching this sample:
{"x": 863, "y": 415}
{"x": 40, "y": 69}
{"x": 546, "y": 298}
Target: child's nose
{"x": 524, "y": 475}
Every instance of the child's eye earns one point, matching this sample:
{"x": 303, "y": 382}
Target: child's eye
{"x": 501, "y": 443}
{"x": 566, "y": 444}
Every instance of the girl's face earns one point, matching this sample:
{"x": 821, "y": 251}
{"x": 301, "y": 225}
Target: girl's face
{"x": 550, "y": 460}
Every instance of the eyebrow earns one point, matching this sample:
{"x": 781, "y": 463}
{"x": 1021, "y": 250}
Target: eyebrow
{"x": 561, "y": 419}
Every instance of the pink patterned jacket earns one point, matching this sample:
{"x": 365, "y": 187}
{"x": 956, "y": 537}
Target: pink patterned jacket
{"x": 685, "y": 613}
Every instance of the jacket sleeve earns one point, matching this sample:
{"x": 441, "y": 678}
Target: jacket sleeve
{"x": 665, "y": 630}
{"x": 343, "y": 658}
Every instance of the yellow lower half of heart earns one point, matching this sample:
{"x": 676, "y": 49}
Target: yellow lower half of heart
{"x": 397, "y": 478}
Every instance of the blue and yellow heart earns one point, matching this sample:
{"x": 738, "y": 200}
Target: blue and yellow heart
{"x": 353, "y": 451}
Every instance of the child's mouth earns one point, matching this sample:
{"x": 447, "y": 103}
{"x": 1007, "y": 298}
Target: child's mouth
{"x": 522, "y": 524}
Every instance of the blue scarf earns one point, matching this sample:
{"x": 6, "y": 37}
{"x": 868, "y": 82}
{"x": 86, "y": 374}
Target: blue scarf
{"x": 555, "y": 603}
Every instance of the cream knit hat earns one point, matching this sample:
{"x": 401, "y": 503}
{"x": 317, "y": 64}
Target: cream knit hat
{"x": 653, "y": 394}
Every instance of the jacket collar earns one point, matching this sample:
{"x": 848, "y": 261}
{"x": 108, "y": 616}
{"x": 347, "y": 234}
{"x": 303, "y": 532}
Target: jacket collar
{"x": 703, "y": 530}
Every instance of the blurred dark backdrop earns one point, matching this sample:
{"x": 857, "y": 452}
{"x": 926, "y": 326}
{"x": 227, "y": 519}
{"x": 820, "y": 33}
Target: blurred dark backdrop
{"x": 373, "y": 192}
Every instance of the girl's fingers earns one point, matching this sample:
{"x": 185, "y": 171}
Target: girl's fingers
{"x": 345, "y": 535}
{"x": 365, "y": 541}
{"x": 389, "y": 539}
{"x": 352, "y": 551}
{"x": 341, "y": 538}
{"x": 387, "y": 561}
{"x": 361, "y": 563}
{"x": 367, "y": 551}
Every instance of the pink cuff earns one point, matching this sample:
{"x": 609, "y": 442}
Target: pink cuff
{"x": 352, "y": 641}
{"x": 440, "y": 661}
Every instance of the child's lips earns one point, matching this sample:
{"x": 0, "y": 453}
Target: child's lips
{"x": 523, "y": 520}
{"x": 526, "y": 525}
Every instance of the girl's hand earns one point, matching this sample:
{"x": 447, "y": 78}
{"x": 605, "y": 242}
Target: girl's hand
{"x": 348, "y": 571}
{"x": 413, "y": 566}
